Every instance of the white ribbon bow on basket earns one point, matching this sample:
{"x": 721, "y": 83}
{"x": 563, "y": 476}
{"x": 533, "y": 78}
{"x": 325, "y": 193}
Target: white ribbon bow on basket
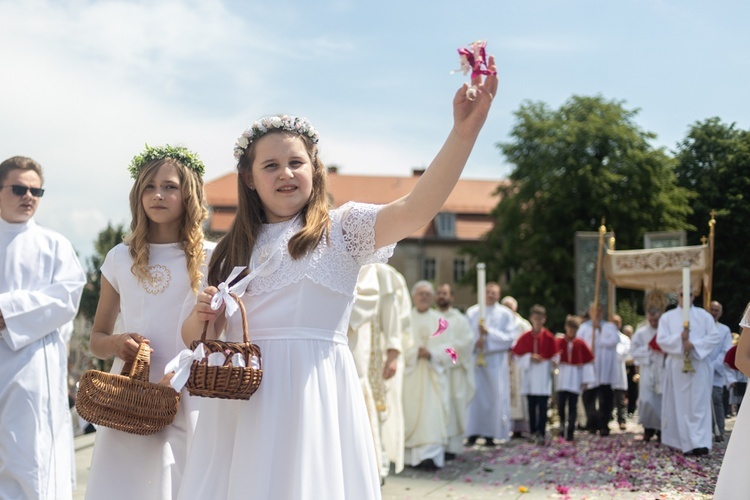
{"x": 180, "y": 364}
{"x": 223, "y": 295}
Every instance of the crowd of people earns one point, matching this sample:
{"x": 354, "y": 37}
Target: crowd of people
{"x": 359, "y": 374}
{"x": 460, "y": 379}
{"x": 291, "y": 259}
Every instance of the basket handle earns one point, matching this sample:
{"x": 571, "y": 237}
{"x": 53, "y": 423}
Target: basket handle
{"x": 139, "y": 368}
{"x": 245, "y": 336}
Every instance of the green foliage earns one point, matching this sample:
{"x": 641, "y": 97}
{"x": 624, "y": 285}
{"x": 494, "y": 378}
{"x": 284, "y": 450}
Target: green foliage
{"x": 107, "y": 239}
{"x": 628, "y": 311}
{"x": 714, "y": 162}
{"x": 572, "y": 166}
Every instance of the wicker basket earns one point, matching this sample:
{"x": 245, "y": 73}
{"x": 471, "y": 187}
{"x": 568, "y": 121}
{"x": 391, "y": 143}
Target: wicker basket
{"x": 127, "y": 402}
{"x": 227, "y": 381}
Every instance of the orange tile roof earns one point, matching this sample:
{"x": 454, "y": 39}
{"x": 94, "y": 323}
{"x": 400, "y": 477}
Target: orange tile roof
{"x": 470, "y": 197}
{"x": 222, "y": 192}
{"x": 220, "y": 222}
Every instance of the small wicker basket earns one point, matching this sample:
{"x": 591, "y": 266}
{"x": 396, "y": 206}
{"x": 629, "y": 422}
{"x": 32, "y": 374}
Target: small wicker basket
{"x": 227, "y": 381}
{"x": 127, "y": 402}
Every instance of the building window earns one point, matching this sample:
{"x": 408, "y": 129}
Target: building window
{"x": 459, "y": 269}
{"x": 429, "y": 268}
{"x": 445, "y": 225}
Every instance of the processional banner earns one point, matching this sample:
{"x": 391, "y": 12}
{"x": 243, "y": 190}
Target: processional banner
{"x": 657, "y": 268}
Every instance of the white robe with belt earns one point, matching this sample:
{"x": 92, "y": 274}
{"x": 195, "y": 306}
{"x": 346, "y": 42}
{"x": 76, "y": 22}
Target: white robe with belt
{"x": 380, "y": 321}
{"x": 460, "y": 374}
{"x": 605, "y": 351}
{"x": 40, "y": 290}
{"x": 425, "y": 393}
{"x": 650, "y": 367}
{"x": 489, "y": 411}
{"x": 686, "y": 397}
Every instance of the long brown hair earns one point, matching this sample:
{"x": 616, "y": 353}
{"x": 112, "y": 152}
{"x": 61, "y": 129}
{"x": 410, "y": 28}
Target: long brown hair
{"x": 236, "y": 247}
{"x": 190, "y": 232}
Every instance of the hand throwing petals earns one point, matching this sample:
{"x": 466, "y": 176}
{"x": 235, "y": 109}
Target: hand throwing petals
{"x": 474, "y": 58}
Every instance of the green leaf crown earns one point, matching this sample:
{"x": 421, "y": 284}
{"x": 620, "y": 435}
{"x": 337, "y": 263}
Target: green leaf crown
{"x": 177, "y": 153}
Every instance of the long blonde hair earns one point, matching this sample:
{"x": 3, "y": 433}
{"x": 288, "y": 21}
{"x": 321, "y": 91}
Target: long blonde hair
{"x": 190, "y": 232}
{"x": 236, "y": 247}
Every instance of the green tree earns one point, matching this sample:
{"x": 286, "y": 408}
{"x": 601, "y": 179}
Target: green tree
{"x": 80, "y": 357}
{"x": 714, "y": 163}
{"x": 105, "y": 241}
{"x": 572, "y": 166}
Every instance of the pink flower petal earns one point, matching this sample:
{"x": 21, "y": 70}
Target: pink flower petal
{"x": 452, "y": 352}
{"x": 442, "y": 326}
{"x": 474, "y": 59}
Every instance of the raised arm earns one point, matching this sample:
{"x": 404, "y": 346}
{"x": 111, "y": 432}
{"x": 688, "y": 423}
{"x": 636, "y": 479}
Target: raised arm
{"x": 402, "y": 217}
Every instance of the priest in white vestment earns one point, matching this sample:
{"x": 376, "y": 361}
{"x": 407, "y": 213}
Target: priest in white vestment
{"x": 379, "y": 323}
{"x": 426, "y": 405}
{"x": 489, "y": 411}
{"x": 461, "y": 384}
{"x": 40, "y": 290}
{"x": 686, "y": 397}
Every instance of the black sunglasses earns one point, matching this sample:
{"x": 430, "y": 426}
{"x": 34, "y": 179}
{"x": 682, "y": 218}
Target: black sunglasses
{"x": 21, "y": 190}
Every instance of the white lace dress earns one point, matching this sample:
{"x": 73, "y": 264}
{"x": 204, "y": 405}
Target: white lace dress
{"x": 305, "y": 433}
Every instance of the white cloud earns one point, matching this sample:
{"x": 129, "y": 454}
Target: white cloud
{"x": 87, "y": 83}
{"x": 90, "y": 84}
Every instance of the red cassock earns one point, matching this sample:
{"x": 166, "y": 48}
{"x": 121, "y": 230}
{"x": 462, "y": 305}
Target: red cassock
{"x": 542, "y": 344}
{"x": 580, "y": 354}
{"x": 729, "y": 358}
{"x": 653, "y": 345}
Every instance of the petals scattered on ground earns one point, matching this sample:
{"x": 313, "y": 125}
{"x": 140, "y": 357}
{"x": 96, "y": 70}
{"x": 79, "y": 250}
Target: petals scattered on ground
{"x": 620, "y": 465}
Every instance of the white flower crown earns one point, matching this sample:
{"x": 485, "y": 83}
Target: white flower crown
{"x": 277, "y": 122}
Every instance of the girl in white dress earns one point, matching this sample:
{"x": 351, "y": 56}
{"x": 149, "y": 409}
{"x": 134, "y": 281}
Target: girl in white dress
{"x": 146, "y": 280}
{"x": 305, "y": 433}
{"x": 734, "y": 481}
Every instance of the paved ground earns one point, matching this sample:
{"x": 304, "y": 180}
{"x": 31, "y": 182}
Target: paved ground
{"x": 620, "y": 466}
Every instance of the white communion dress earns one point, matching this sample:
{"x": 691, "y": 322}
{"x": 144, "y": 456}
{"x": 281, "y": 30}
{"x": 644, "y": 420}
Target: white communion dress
{"x": 305, "y": 433}
{"x": 734, "y": 481}
{"x": 128, "y": 466}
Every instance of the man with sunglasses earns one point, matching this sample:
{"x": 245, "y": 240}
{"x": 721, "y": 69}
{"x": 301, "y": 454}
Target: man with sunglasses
{"x": 41, "y": 282}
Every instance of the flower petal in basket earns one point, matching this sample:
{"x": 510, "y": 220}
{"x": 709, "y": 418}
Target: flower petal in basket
{"x": 227, "y": 381}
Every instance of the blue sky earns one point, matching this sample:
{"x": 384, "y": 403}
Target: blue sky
{"x": 87, "y": 83}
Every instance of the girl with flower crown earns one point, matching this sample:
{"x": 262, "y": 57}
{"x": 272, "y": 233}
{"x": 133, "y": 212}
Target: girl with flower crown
{"x": 305, "y": 432}
{"x": 146, "y": 280}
